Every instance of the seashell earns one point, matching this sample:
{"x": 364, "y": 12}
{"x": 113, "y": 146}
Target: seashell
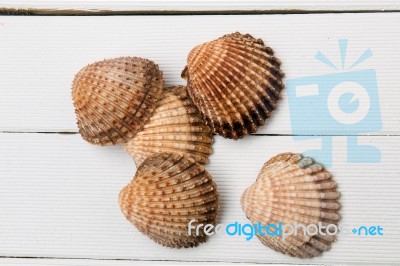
{"x": 294, "y": 189}
{"x": 175, "y": 127}
{"x": 168, "y": 191}
{"x": 235, "y": 81}
{"x": 114, "y": 98}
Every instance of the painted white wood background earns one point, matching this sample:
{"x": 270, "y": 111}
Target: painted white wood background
{"x": 58, "y": 194}
{"x": 207, "y": 5}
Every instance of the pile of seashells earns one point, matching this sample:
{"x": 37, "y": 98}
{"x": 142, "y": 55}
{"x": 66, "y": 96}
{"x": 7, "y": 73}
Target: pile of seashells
{"x": 233, "y": 85}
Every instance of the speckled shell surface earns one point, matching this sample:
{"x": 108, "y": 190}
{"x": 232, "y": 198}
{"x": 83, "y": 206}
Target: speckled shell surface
{"x": 293, "y": 189}
{"x": 175, "y": 127}
{"x": 167, "y": 192}
{"x": 114, "y": 98}
{"x": 235, "y": 81}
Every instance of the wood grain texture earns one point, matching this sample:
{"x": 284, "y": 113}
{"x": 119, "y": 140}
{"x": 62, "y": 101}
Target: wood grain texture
{"x": 94, "y": 262}
{"x": 205, "y": 5}
{"x": 40, "y": 55}
{"x": 58, "y": 198}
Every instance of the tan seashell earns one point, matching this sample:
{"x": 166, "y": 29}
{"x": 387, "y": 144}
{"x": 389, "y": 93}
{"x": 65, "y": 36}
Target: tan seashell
{"x": 293, "y": 189}
{"x": 114, "y": 98}
{"x": 235, "y": 81}
{"x": 175, "y": 127}
{"x": 167, "y": 192}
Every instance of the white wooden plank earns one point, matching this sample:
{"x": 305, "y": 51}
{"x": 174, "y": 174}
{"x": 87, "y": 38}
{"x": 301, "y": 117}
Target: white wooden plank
{"x": 205, "y": 5}
{"x": 40, "y": 55}
{"x": 90, "y": 262}
{"x": 58, "y": 198}
{"x": 94, "y": 262}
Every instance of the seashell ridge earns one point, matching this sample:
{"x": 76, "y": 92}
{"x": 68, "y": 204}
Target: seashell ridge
{"x": 236, "y": 83}
{"x": 175, "y": 127}
{"x": 293, "y": 189}
{"x": 167, "y": 192}
{"x": 114, "y": 98}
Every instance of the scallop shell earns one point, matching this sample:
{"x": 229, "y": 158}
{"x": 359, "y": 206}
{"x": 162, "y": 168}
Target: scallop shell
{"x": 293, "y": 189}
{"x": 235, "y": 81}
{"x": 175, "y": 126}
{"x": 167, "y": 192}
{"x": 114, "y": 98}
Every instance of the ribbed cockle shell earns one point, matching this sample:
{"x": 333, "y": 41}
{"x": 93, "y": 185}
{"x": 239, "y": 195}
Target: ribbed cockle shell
{"x": 235, "y": 81}
{"x": 167, "y": 192}
{"x": 175, "y": 127}
{"x": 293, "y": 189}
{"x": 114, "y": 98}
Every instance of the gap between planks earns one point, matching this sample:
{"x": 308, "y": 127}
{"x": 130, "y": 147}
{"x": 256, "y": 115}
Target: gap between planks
{"x": 254, "y": 134}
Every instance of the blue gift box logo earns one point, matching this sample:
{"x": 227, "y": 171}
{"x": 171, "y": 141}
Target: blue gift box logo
{"x": 342, "y": 103}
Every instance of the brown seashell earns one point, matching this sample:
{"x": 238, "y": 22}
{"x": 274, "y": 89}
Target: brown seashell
{"x": 293, "y": 189}
{"x": 175, "y": 127}
{"x": 235, "y": 81}
{"x": 114, "y": 98}
{"x": 167, "y": 192}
